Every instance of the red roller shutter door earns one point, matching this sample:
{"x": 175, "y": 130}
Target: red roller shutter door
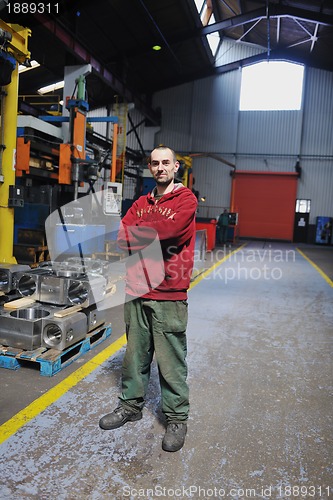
{"x": 265, "y": 202}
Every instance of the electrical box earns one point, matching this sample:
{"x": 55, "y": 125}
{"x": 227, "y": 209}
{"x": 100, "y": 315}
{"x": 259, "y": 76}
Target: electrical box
{"x": 16, "y": 197}
{"x": 112, "y": 198}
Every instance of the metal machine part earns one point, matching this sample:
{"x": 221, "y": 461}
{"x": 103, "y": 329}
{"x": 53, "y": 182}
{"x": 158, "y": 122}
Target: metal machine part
{"x": 53, "y": 290}
{"x": 68, "y": 270}
{"x": 60, "y": 333}
{"x": 79, "y": 268}
{"x": 67, "y": 287}
{"x": 8, "y": 274}
{"x": 28, "y": 283}
{"x": 90, "y": 265}
{"x": 95, "y": 317}
{"x": 93, "y": 266}
{"x": 78, "y": 293}
{"x": 66, "y": 291}
{"x": 22, "y": 328}
{"x": 94, "y": 285}
{"x": 70, "y": 273}
{"x": 64, "y": 269}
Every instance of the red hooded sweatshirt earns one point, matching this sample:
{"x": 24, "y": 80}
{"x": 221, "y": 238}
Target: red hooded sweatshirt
{"x": 159, "y": 235}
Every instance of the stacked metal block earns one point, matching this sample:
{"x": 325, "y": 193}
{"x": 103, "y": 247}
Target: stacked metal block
{"x": 53, "y": 288}
{"x": 8, "y": 274}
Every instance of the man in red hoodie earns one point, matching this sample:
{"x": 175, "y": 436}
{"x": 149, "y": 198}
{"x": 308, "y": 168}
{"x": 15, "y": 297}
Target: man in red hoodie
{"x": 155, "y": 310}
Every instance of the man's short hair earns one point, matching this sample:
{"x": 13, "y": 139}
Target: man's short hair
{"x": 174, "y": 156}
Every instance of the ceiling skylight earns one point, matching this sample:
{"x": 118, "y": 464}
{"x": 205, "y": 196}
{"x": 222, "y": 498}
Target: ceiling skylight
{"x": 205, "y": 10}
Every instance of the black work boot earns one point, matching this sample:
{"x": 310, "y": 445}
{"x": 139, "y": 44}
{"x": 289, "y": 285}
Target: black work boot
{"x": 119, "y": 417}
{"x": 174, "y": 437}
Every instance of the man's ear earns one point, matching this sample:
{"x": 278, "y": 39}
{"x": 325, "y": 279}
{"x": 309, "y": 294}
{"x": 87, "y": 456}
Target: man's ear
{"x": 177, "y": 165}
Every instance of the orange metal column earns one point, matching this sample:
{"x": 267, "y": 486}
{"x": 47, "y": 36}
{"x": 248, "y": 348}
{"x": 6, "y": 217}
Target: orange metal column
{"x": 114, "y": 153}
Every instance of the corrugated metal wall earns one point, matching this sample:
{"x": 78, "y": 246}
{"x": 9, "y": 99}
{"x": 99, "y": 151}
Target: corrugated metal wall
{"x": 99, "y": 127}
{"x": 203, "y": 117}
{"x": 177, "y": 117}
{"x": 231, "y": 51}
{"x": 318, "y": 114}
{"x": 213, "y": 181}
{"x": 269, "y": 133}
{"x": 214, "y": 121}
{"x": 261, "y": 141}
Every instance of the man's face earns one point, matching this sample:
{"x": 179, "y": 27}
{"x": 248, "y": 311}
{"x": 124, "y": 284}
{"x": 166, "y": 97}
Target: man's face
{"x": 163, "y": 166}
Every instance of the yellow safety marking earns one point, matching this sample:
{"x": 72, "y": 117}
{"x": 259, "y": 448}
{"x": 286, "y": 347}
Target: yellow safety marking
{"x": 22, "y": 417}
{"x": 326, "y": 278}
{"x": 36, "y": 407}
{"x": 211, "y": 269}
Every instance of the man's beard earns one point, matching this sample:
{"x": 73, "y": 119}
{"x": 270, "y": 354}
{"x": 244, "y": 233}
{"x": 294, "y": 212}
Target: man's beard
{"x": 163, "y": 182}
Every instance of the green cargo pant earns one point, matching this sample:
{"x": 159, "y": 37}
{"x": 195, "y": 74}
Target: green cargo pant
{"x": 160, "y": 327}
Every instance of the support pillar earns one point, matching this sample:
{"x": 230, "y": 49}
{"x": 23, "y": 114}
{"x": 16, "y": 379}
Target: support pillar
{"x": 9, "y": 124}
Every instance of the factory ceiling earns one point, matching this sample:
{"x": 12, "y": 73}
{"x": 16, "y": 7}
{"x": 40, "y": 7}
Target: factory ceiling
{"x": 117, "y": 38}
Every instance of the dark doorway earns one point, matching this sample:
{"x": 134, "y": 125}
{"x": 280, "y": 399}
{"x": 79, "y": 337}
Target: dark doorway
{"x": 301, "y": 228}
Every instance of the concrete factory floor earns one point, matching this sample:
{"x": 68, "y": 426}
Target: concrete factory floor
{"x": 260, "y": 373}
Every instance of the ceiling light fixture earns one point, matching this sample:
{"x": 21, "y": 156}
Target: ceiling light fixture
{"x": 51, "y": 88}
{"x": 32, "y": 65}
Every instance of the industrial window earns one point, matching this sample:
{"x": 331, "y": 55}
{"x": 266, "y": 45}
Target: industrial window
{"x": 303, "y": 206}
{"x": 205, "y": 10}
{"x": 271, "y": 85}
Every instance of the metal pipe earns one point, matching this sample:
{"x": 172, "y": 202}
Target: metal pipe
{"x": 136, "y": 134}
{"x": 114, "y": 153}
{"x": 2, "y": 138}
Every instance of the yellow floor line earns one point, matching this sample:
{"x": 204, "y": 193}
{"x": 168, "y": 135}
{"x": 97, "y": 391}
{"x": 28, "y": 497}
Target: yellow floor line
{"x": 326, "y": 278}
{"x": 32, "y": 410}
{"x": 211, "y": 269}
{"x": 22, "y": 417}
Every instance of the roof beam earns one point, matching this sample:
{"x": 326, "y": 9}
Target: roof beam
{"x": 275, "y": 54}
{"x": 274, "y": 11}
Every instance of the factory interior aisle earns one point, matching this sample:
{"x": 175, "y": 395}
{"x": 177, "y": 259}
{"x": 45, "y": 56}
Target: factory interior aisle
{"x": 260, "y": 374}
